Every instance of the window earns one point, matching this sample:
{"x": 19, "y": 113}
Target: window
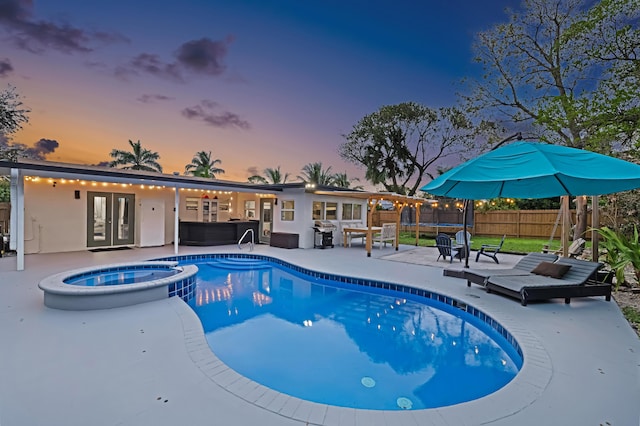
{"x": 331, "y": 211}
{"x": 287, "y": 210}
{"x": 318, "y": 210}
{"x": 325, "y": 211}
{"x": 351, "y": 211}
{"x": 250, "y": 209}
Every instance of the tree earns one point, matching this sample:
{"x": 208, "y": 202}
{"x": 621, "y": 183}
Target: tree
{"x": 271, "y": 176}
{"x": 398, "y": 144}
{"x": 139, "y": 159}
{"x": 538, "y": 69}
{"x": 202, "y": 165}
{"x": 13, "y": 115}
{"x": 314, "y": 173}
{"x": 341, "y": 180}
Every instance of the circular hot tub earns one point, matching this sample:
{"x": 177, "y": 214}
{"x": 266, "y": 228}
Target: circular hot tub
{"x": 117, "y": 285}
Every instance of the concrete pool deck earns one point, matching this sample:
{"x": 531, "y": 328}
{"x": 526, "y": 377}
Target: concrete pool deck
{"x": 143, "y": 364}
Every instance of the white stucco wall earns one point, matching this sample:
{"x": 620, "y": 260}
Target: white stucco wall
{"x": 303, "y": 219}
{"x": 55, "y": 221}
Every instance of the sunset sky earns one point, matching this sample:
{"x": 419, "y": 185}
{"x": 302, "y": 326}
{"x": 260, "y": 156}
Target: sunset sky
{"x": 258, "y": 83}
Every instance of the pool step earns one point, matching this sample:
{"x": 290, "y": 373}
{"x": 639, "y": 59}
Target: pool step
{"x": 239, "y": 263}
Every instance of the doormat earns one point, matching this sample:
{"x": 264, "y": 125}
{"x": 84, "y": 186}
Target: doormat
{"x": 96, "y": 250}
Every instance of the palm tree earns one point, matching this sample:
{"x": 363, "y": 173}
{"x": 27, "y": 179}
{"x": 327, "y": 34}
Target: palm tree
{"x": 314, "y": 173}
{"x": 341, "y": 180}
{"x": 202, "y": 165}
{"x": 272, "y": 176}
{"x": 140, "y": 159}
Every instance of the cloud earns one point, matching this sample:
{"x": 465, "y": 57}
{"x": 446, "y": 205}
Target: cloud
{"x": 203, "y": 56}
{"x": 207, "y": 111}
{"x": 16, "y": 17}
{"x": 151, "y": 64}
{"x": 5, "y": 67}
{"x": 149, "y": 99}
{"x": 253, "y": 171}
{"x": 42, "y": 148}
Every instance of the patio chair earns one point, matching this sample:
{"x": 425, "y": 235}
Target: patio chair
{"x": 388, "y": 234}
{"x": 445, "y": 248}
{"x": 524, "y": 267}
{"x": 460, "y": 240}
{"x": 577, "y": 281}
{"x": 490, "y": 250}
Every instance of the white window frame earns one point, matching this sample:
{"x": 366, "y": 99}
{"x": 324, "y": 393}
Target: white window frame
{"x": 285, "y": 209}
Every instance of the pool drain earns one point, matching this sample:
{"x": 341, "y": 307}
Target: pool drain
{"x": 368, "y": 382}
{"x": 404, "y": 403}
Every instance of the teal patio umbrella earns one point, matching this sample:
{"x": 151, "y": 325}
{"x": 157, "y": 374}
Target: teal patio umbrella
{"x": 536, "y": 170}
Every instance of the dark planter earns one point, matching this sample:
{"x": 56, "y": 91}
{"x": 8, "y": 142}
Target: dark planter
{"x": 605, "y": 276}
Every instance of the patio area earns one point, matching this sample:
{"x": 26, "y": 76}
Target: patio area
{"x": 149, "y": 363}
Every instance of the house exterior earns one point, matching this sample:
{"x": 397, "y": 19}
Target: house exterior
{"x": 62, "y": 207}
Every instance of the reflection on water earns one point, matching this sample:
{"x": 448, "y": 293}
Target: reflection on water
{"x": 317, "y": 341}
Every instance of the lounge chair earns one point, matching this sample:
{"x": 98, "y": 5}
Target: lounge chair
{"x": 490, "y": 250}
{"x": 445, "y": 248}
{"x": 574, "y": 283}
{"x": 524, "y": 267}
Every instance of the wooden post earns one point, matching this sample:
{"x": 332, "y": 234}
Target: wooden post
{"x": 370, "y": 207}
{"x": 398, "y": 215}
{"x": 418, "y": 205}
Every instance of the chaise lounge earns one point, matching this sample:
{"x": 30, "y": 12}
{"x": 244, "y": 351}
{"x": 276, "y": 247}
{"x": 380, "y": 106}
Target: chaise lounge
{"x": 566, "y": 278}
{"x": 523, "y": 267}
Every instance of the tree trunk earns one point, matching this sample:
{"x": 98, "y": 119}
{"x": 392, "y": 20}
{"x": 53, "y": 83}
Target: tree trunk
{"x": 581, "y": 218}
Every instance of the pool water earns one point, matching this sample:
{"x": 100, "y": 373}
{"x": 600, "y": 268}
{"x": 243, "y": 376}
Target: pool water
{"x": 118, "y": 277}
{"x": 346, "y": 345}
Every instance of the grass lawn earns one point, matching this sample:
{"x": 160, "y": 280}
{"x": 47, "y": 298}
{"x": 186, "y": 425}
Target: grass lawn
{"x": 511, "y": 244}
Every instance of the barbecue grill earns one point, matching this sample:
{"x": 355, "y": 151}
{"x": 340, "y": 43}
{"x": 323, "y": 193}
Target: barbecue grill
{"x": 323, "y": 234}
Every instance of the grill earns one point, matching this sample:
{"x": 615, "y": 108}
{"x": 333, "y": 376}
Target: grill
{"x": 323, "y": 234}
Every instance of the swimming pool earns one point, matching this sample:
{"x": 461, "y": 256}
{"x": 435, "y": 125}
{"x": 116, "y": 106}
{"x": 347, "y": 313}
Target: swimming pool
{"x": 348, "y": 342}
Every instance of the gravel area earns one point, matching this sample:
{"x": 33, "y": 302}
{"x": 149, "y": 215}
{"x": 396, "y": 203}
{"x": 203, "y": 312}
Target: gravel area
{"x": 628, "y": 297}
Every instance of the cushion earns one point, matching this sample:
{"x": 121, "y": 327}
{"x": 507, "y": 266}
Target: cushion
{"x": 553, "y": 270}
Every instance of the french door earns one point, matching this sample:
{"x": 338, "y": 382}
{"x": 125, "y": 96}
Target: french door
{"x": 110, "y": 219}
{"x": 266, "y": 219}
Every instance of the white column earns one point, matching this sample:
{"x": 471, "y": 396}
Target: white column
{"x": 17, "y": 217}
{"x": 176, "y": 221}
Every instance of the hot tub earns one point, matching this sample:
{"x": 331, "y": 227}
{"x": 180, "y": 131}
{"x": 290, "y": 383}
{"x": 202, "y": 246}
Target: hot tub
{"x": 118, "y": 285}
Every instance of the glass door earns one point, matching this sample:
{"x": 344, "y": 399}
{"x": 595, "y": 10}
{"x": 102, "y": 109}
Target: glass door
{"x": 266, "y": 219}
{"x": 98, "y": 219}
{"x": 110, "y": 219}
{"x": 123, "y": 214}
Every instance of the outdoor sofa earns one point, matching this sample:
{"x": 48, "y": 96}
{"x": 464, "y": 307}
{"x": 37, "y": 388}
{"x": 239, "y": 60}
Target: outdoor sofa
{"x": 577, "y": 281}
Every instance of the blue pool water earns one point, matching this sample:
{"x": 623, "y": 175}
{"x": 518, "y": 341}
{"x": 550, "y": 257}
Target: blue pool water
{"x": 118, "y": 277}
{"x": 346, "y": 345}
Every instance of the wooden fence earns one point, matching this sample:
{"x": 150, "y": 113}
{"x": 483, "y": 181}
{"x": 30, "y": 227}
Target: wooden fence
{"x": 513, "y": 223}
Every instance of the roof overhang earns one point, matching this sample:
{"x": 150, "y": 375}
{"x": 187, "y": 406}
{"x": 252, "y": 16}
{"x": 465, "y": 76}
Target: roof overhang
{"x": 378, "y": 197}
{"x": 70, "y": 171}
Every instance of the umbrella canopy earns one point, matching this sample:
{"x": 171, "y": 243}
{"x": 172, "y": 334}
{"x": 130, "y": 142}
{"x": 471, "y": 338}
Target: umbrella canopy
{"x": 536, "y": 170}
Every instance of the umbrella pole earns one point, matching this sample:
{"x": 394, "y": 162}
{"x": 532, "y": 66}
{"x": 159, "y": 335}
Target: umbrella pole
{"x": 465, "y": 205}
{"x": 566, "y": 225}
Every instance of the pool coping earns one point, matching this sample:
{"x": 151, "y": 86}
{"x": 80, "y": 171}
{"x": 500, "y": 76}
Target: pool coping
{"x": 529, "y": 384}
{"x": 60, "y": 295}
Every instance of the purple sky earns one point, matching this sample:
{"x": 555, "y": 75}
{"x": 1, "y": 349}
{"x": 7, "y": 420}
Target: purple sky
{"x": 258, "y": 83}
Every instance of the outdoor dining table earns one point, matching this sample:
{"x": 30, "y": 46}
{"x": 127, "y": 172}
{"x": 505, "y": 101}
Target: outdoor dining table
{"x": 347, "y": 230}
